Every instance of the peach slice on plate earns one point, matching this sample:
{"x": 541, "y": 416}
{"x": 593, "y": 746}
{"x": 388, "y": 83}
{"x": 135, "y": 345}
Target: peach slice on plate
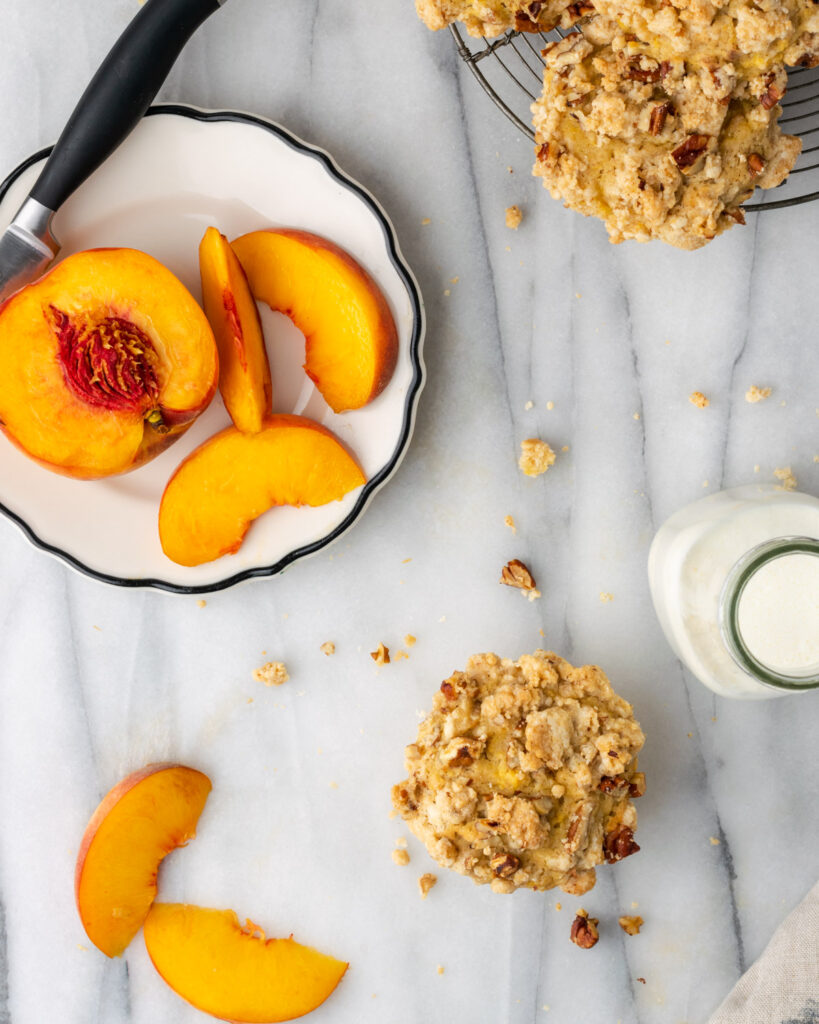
{"x": 103, "y": 362}
{"x": 143, "y": 818}
{"x": 244, "y": 372}
{"x": 234, "y": 972}
{"x": 351, "y": 338}
{"x": 232, "y": 478}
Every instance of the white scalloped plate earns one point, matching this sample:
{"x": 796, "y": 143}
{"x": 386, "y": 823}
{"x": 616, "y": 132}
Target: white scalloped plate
{"x": 180, "y": 171}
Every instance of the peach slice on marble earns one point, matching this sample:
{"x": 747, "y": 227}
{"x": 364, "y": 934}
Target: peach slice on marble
{"x": 104, "y": 362}
{"x": 231, "y": 479}
{"x": 141, "y": 820}
{"x": 233, "y": 972}
{"x": 351, "y": 338}
{"x": 244, "y": 372}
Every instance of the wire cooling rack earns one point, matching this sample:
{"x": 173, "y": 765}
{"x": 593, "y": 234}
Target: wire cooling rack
{"x": 510, "y": 70}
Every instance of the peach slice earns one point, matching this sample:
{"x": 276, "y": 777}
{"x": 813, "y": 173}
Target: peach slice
{"x": 244, "y": 372}
{"x": 103, "y": 362}
{"x": 352, "y": 342}
{"x": 142, "y": 819}
{"x": 235, "y": 973}
{"x": 231, "y": 479}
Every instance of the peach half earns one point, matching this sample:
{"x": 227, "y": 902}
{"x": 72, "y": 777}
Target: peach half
{"x": 103, "y": 363}
{"x": 231, "y": 479}
{"x": 244, "y": 372}
{"x": 351, "y": 338}
{"x": 142, "y": 819}
{"x": 234, "y": 972}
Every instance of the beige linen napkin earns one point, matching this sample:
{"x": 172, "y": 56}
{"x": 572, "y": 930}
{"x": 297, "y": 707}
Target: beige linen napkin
{"x": 782, "y": 987}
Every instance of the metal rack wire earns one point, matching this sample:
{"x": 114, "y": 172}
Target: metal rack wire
{"x": 510, "y": 71}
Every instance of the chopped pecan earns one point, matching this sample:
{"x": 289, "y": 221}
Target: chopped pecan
{"x": 609, "y": 783}
{"x": 689, "y": 151}
{"x": 448, "y": 690}
{"x": 756, "y": 165}
{"x": 584, "y": 931}
{"x": 527, "y": 19}
{"x": 462, "y": 758}
{"x": 637, "y": 785}
{"x": 619, "y": 844}
{"x": 548, "y": 152}
{"x": 773, "y": 94}
{"x": 515, "y": 574}
{"x": 736, "y": 214}
{"x": 504, "y": 865}
{"x": 581, "y": 9}
{"x": 637, "y": 73}
{"x": 656, "y": 122}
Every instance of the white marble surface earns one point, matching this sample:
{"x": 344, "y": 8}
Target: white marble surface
{"x": 96, "y": 681}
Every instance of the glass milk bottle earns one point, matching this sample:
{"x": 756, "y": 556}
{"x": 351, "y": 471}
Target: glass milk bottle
{"x": 735, "y": 583}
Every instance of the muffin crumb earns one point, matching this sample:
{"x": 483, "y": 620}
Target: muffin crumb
{"x": 513, "y": 217}
{"x": 785, "y": 474}
{"x": 400, "y": 857}
{"x": 536, "y": 456}
{"x": 631, "y": 925}
{"x": 381, "y": 656}
{"x": 328, "y": 648}
{"x": 274, "y": 673}
{"x": 425, "y": 883}
{"x": 698, "y": 398}
{"x": 755, "y": 394}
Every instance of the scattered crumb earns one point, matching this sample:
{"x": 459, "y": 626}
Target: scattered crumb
{"x": 442, "y": 618}
{"x": 714, "y": 841}
{"x": 516, "y": 574}
{"x": 440, "y": 969}
{"x": 510, "y": 522}
{"x": 635, "y": 415}
{"x": 273, "y": 673}
{"x": 328, "y": 648}
{"x": 558, "y": 906}
{"x": 511, "y": 170}
{"x": 401, "y": 842}
{"x": 605, "y": 596}
{"x": 392, "y": 813}
{"x": 630, "y": 925}
{"x": 690, "y": 734}
{"x": 508, "y": 248}
{"x": 577, "y": 295}
{"x": 541, "y": 631}
{"x": 249, "y": 700}
{"x": 410, "y": 640}
{"x": 400, "y": 655}
{"x": 381, "y": 656}
{"x": 405, "y": 560}
{"x": 447, "y": 291}
{"x": 333, "y": 785}
{"x": 816, "y": 458}
{"x": 634, "y": 904}
{"x": 550, "y": 406}
{"x": 785, "y": 474}
{"x": 529, "y": 405}
{"x": 201, "y": 604}
{"x": 755, "y": 394}
{"x": 425, "y": 221}
{"x": 536, "y": 456}
{"x": 425, "y": 883}
{"x": 698, "y": 398}
{"x": 513, "y": 217}
{"x": 565, "y": 448}
{"x": 400, "y": 857}
{"x": 642, "y": 981}
{"x": 97, "y": 628}
{"x": 705, "y": 483}
{"x": 83, "y": 948}
{"x": 756, "y": 468}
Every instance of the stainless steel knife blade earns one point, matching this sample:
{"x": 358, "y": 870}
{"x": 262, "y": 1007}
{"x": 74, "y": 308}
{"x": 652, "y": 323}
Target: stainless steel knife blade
{"x": 27, "y": 247}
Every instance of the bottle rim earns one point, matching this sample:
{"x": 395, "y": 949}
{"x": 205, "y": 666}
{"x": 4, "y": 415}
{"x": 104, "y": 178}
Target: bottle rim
{"x": 738, "y": 578}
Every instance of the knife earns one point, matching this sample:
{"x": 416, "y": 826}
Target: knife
{"x": 108, "y": 111}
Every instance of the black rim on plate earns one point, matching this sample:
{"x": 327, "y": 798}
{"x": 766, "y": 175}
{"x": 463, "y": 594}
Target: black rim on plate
{"x": 410, "y": 402}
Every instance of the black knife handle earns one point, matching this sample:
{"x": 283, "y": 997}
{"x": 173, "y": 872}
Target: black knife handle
{"x": 119, "y": 94}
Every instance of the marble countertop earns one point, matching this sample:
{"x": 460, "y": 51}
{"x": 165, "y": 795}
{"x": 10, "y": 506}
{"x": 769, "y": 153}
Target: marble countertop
{"x": 98, "y": 681}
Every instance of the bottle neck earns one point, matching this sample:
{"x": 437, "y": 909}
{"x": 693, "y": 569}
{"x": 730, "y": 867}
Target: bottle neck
{"x": 743, "y": 648}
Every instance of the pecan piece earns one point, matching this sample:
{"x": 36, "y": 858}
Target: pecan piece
{"x": 631, "y": 925}
{"x": 656, "y": 122}
{"x": 548, "y": 153}
{"x": 636, "y": 73}
{"x": 515, "y": 574}
{"x": 689, "y": 151}
{"x": 619, "y": 844}
{"x": 526, "y": 20}
{"x": 504, "y": 865}
{"x": 461, "y": 758}
{"x": 773, "y": 94}
{"x": 609, "y": 783}
{"x": 579, "y": 10}
{"x": 584, "y": 931}
{"x": 756, "y": 165}
{"x": 637, "y": 785}
{"x": 448, "y": 690}
{"x": 736, "y": 214}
